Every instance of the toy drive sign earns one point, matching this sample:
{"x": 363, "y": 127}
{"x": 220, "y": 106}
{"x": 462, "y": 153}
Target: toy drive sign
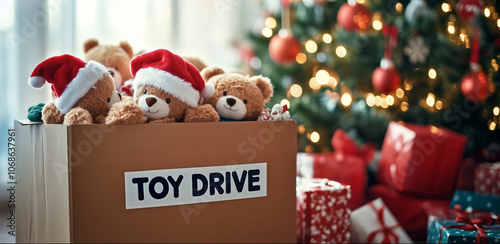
{"x": 168, "y": 187}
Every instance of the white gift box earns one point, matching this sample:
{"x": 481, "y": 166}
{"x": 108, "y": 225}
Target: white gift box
{"x": 374, "y": 223}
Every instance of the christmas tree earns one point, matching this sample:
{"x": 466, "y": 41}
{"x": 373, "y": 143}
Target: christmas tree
{"x": 358, "y": 65}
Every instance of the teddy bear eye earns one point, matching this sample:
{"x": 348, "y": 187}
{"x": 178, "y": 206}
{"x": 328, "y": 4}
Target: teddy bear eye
{"x": 168, "y": 100}
{"x": 109, "y": 100}
{"x": 245, "y": 101}
{"x": 224, "y": 93}
{"x": 116, "y": 68}
{"x": 145, "y": 91}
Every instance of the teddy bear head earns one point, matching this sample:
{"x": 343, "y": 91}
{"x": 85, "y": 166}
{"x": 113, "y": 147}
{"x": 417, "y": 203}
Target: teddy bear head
{"x": 115, "y": 58}
{"x": 237, "y": 97}
{"x": 158, "y": 104}
{"x": 165, "y": 85}
{"x": 76, "y": 84}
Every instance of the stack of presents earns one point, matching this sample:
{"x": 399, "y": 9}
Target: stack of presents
{"x": 424, "y": 191}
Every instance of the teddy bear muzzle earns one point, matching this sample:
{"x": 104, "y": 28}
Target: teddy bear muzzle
{"x": 154, "y": 107}
{"x": 231, "y": 107}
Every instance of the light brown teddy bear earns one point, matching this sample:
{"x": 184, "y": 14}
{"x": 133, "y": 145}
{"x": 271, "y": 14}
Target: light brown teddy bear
{"x": 167, "y": 89}
{"x": 196, "y": 62}
{"x": 115, "y": 58}
{"x": 84, "y": 92}
{"x": 237, "y": 97}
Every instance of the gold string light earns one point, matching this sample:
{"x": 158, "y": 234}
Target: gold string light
{"x": 301, "y": 58}
{"x": 404, "y": 106}
{"x": 370, "y": 100}
{"x": 267, "y": 32}
{"x": 341, "y": 51}
{"x": 322, "y": 77}
{"x": 311, "y": 46}
{"x": 446, "y": 7}
{"x": 327, "y": 38}
{"x": 346, "y": 99}
{"x": 270, "y": 22}
{"x": 314, "y": 137}
{"x": 296, "y": 90}
{"x": 400, "y": 93}
{"x": 313, "y": 83}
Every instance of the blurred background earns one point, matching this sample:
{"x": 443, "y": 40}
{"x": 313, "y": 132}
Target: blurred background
{"x": 350, "y": 65}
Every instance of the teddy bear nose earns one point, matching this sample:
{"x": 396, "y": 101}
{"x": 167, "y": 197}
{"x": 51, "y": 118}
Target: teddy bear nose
{"x": 231, "y": 101}
{"x": 150, "y": 101}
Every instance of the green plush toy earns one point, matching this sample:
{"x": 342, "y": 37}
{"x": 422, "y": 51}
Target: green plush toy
{"x": 35, "y": 112}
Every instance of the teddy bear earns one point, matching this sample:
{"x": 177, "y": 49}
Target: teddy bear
{"x": 200, "y": 65}
{"x": 83, "y": 92}
{"x": 115, "y": 58}
{"x": 237, "y": 97}
{"x": 167, "y": 89}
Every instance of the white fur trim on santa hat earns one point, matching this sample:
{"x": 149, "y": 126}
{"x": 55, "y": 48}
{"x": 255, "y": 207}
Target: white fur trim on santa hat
{"x": 36, "y": 81}
{"x": 168, "y": 82}
{"x": 209, "y": 90}
{"x": 85, "y": 79}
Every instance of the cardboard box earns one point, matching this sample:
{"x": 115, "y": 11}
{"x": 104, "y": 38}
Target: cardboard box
{"x": 72, "y": 182}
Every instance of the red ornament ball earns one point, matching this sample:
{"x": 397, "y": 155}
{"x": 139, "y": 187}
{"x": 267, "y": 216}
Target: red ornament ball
{"x": 284, "y": 47}
{"x": 386, "y": 79}
{"x": 476, "y": 86}
{"x": 354, "y": 17}
{"x": 468, "y": 9}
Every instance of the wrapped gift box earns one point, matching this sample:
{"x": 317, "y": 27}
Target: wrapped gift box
{"x": 374, "y": 223}
{"x": 115, "y": 183}
{"x": 469, "y": 200}
{"x": 460, "y": 227}
{"x": 322, "y": 211}
{"x": 421, "y": 161}
{"x": 487, "y": 179}
{"x": 412, "y": 213}
{"x": 346, "y": 165}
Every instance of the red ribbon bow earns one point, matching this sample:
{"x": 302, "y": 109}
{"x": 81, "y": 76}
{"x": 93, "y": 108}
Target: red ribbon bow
{"x": 392, "y": 32}
{"x": 389, "y": 235}
{"x": 343, "y": 143}
{"x": 472, "y": 225}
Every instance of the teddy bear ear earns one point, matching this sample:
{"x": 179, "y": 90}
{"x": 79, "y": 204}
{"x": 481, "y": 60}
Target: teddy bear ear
{"x": 127, "y": 48}
{"x": 89, "y": 44}
{"x": 211, "y": 71}
{"x": 265, "y": 86}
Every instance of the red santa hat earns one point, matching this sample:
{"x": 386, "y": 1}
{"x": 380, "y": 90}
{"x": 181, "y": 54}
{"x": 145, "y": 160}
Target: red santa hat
{"x": 71, "y": 78}
{"x": 171, "y": 73}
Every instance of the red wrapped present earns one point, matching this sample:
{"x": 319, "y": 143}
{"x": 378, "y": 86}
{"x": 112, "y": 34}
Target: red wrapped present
{"x": 322, "y": 211}
{"x": 346, "y": 165}
{"x": 374, "y": 223}
{"x": 411, "y": 213}
{"x": 421, "y": 161}
{"x": 487, "y": 180}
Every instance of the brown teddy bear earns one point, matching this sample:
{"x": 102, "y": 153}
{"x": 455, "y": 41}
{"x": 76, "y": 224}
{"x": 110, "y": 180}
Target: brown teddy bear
{"x": 196, "y": 62}
{"x": 115, "y": 58}
{"x": 237, "y": 97}
{"x": 84, "y": 92}
{"x": 167, "y": 89}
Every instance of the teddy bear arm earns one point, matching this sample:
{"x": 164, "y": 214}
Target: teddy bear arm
{"x": 51, "y": 114}
{"x": 202, "y": 113}
{"x": 125, "y": 112}
{"x": 78, "y": 116}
